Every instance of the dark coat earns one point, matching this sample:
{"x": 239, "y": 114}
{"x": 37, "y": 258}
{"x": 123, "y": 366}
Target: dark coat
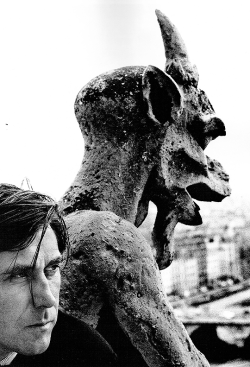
{"x": 73, "y": 343}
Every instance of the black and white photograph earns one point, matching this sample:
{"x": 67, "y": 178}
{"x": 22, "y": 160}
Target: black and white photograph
{"x": 124, "y": 183}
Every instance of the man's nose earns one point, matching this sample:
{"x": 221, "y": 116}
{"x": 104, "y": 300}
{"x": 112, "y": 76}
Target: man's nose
{"x": 42, "y": 295}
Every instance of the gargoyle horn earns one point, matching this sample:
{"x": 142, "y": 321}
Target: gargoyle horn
{"x": 177, "y": 60}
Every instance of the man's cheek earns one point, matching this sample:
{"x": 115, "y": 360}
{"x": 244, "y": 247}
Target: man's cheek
{"x": 55, "y": 287}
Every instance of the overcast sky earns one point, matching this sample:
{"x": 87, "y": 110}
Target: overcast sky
{"x": 51, "y": 48}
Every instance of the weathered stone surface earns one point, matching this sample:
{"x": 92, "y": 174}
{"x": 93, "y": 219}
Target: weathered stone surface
{"x": 145, "y": 132}
{"x": 111, "y": 255}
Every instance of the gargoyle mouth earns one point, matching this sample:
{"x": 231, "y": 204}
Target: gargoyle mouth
{"x": 176, "y": 205}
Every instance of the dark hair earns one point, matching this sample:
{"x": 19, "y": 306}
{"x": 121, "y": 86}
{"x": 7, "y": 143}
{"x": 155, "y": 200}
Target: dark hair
{"x": 23, "y": 213}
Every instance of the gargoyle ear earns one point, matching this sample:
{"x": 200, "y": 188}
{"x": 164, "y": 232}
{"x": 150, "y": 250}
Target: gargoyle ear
{"x": 161, "y": 94}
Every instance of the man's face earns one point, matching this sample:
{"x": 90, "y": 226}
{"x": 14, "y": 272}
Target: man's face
{"x": 26, "y": 324}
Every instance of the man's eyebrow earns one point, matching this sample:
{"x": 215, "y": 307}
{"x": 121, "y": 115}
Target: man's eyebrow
{"x": 20, "y": 268}
{"x": 57, "y": 260}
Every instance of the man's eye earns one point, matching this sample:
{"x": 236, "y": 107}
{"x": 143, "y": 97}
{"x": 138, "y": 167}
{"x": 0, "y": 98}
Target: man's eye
{"x": 18, "y": 277}
{"x": 52, "y": 270}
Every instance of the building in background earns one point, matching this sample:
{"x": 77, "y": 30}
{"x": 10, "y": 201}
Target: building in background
{"x": 209, "y": 256}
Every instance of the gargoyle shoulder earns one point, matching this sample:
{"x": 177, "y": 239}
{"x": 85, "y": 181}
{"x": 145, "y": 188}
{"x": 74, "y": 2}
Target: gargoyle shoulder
{"x": 110, "y": 248}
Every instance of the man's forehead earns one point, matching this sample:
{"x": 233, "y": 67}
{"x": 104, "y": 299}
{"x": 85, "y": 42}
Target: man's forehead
{"x": 48, "y": 251}
{"x": 48, "y": 245}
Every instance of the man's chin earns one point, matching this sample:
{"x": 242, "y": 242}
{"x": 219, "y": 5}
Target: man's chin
{"x": 37, "y": 340}
{"x": 41, "y": 348}
{"x": 35, "y": 347}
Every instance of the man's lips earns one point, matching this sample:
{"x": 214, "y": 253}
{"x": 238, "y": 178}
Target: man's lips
{"x": 41, "y": 324}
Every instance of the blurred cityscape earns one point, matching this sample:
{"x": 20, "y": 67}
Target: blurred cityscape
{"x": 208, "y": 282}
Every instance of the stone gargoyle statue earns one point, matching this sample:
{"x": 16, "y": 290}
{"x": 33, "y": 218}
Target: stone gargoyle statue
{"x": 145, "y": 131}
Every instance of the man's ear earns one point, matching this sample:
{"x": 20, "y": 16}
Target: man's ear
{"x": 161, "y": 94}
